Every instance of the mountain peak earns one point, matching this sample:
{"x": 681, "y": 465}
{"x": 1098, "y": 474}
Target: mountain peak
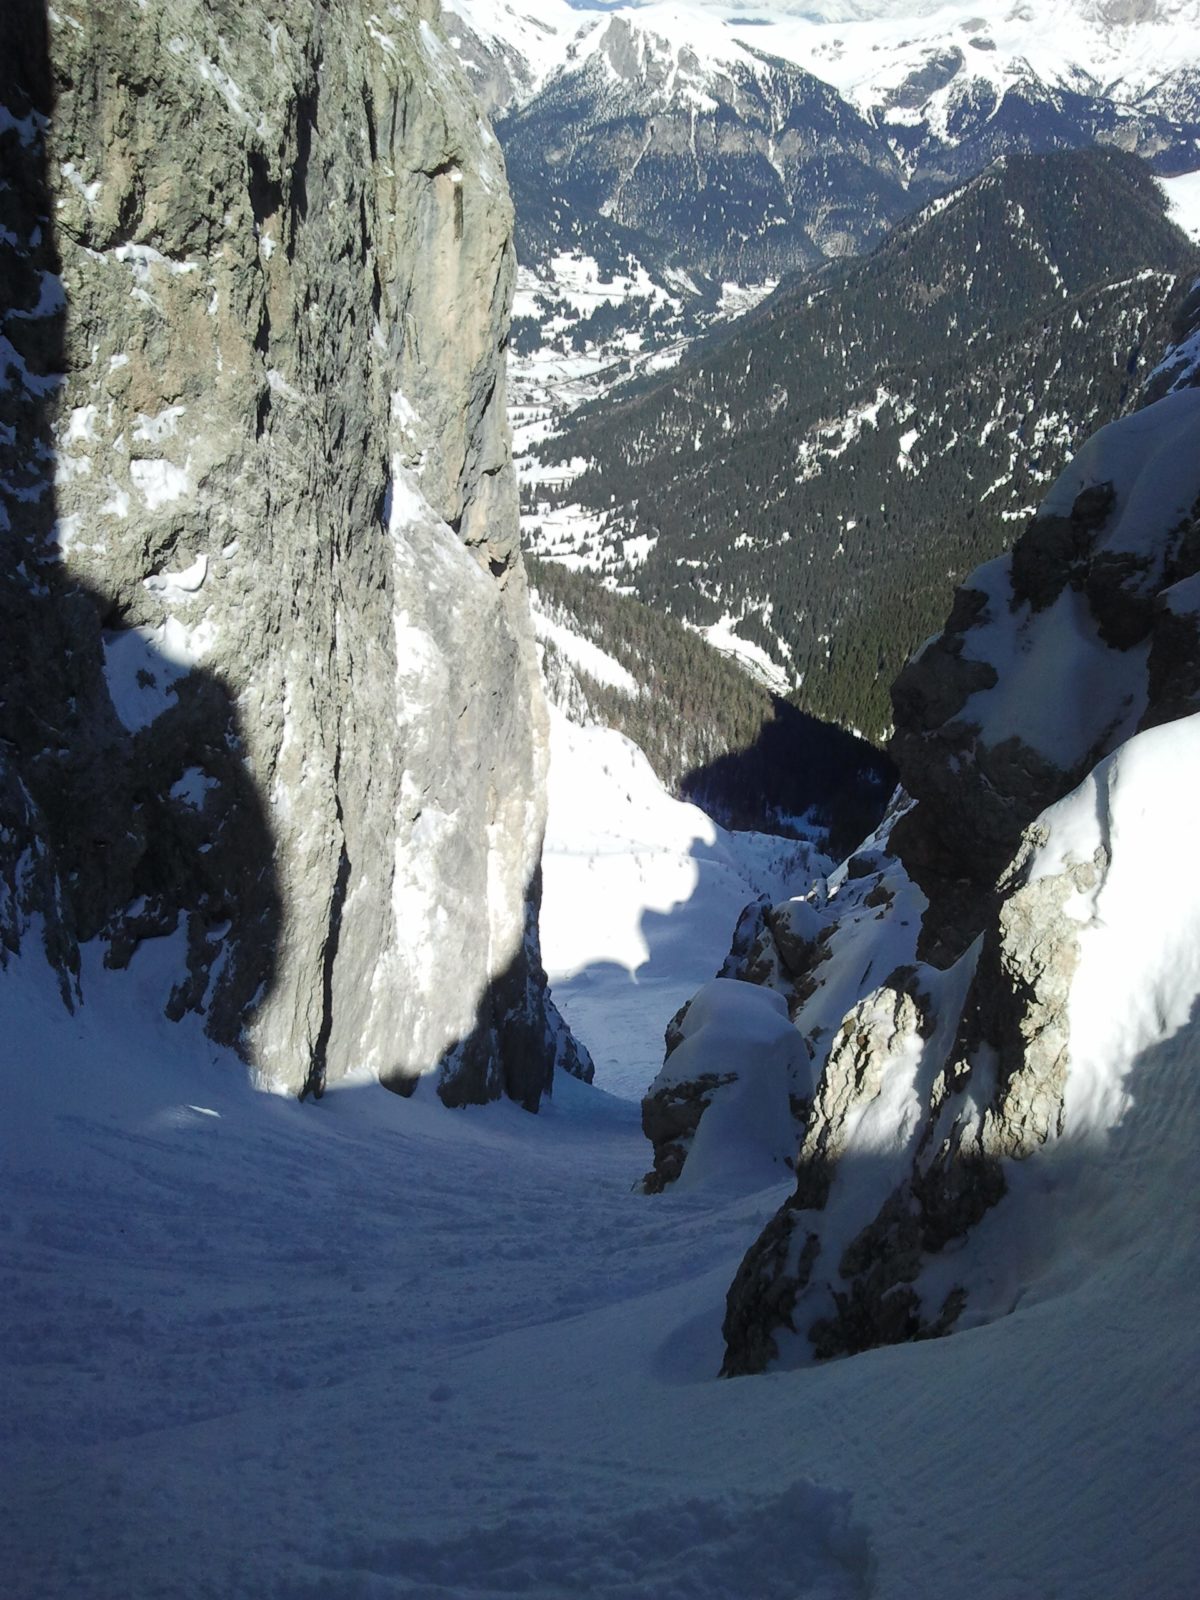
{"x": 667, "y": 55}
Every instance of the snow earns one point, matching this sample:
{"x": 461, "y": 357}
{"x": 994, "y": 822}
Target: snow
{"x": 746, "y": 1138}
{"x": 739, "y": 298}
{"x": 374, "y": 1347}
{"x": 1062, "y": 646}
{"x": 174, "y": 588}
{"x": 141, "y": 257}
{"x": 190, "y": 790}
{"x": 159, "y": 483}
{"x": 1183, "y": 202}
{"x": 154, "y": 429}
{"x": 1152, "y": 461}
{"x": 567, "y": 534}
{"x": 723, "y": 636}
{"x": 1139, "y": 947}
{"x": 539, "y": 30}
{"x": 583, "y": 654}
{"x": 865, "y": 51}
{"x": 640, "y": 895}
{"x": 143, "y": 664}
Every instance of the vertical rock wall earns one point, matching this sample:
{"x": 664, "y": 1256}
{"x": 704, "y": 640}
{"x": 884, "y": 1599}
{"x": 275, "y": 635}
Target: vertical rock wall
{"x": 269, "y": 607}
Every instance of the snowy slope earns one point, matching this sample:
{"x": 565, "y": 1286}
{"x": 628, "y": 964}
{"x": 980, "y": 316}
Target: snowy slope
{"x": 639, "y": 895}
{"x": 376, "y": 1348}
{"x": 865, "y": 51}
{"x": 871, "y": 52}
{"x": 1183, "y": 201}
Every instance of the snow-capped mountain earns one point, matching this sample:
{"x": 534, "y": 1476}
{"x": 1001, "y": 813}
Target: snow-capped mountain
{"x": 883, "y": 57}
{"x": 708, "y": 155}
{"x": 695, "y": 153}
{"x": 509, "y": 47}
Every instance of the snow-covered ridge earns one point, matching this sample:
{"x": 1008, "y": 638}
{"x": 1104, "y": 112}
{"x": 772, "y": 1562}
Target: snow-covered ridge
{"x": 990, "y": 983}
{"x": 869, "y": 52}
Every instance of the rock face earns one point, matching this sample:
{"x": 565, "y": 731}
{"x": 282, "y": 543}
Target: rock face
{"x": 1051, "y": 657}
{"x": 994, "y": 1003}
{"x": 270, "y": 677}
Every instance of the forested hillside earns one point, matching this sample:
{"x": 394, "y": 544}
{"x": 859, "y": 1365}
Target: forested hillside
{"x": 826, "y": 472}
{"x": 711, "y": 733}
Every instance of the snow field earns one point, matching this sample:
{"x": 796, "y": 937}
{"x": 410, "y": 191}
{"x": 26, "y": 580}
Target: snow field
{"x": 1183, "y": 202}
{"x": 258, "y": 1348}
{"x": 371, "y": 1347}
{"x": 640, "y": 895}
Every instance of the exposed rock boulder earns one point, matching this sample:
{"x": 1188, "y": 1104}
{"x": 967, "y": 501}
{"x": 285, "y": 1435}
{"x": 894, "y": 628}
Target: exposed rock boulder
{"x": 810, "y": 952}
{"x": 271, "y": 682}
{"x": 775, "y": 946}
{"x": 928, "y": 1099}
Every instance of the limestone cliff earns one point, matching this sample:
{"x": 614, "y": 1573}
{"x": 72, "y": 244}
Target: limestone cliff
{"x": 269, "y": 678}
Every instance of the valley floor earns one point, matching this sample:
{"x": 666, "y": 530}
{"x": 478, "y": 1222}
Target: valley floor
{"x": 371, "y": 1347}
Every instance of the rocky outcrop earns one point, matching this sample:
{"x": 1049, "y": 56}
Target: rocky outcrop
{"x": 773, "y": 948}
{"x": 810, "y": 953}
{"x": 988, "y": 1010}
{"x": 271, "y": 679}
{"x": 1052, "y": 656}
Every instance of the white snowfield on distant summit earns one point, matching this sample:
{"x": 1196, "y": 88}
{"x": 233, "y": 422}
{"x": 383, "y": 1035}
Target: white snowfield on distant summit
{"x": 865, "y": 50}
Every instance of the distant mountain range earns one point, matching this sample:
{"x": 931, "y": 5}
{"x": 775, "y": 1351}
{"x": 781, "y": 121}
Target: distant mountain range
{"x": 818, "y": 478}
{"x": 672, "y": 162}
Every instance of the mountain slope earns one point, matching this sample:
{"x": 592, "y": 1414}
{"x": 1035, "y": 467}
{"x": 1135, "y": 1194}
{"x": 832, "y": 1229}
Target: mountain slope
{"x": 825, "y": 472}
{"x": 724, "y": 163}
{"x": 682, "y": 147}
{"x": 712, "y": 732}
{"x": 992, "y": 986}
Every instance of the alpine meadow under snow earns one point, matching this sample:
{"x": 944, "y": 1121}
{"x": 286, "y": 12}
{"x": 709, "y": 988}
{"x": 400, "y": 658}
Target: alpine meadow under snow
{"x": 439, "y": 1160}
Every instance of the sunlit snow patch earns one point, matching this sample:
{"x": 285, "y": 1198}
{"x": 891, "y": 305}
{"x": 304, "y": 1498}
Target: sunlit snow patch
{"x": 142, "y": 666}
{"x": 1183, "y": 202}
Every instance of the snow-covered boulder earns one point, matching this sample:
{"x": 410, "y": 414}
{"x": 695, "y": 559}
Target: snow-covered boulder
{"x": 734, "y": 1037}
